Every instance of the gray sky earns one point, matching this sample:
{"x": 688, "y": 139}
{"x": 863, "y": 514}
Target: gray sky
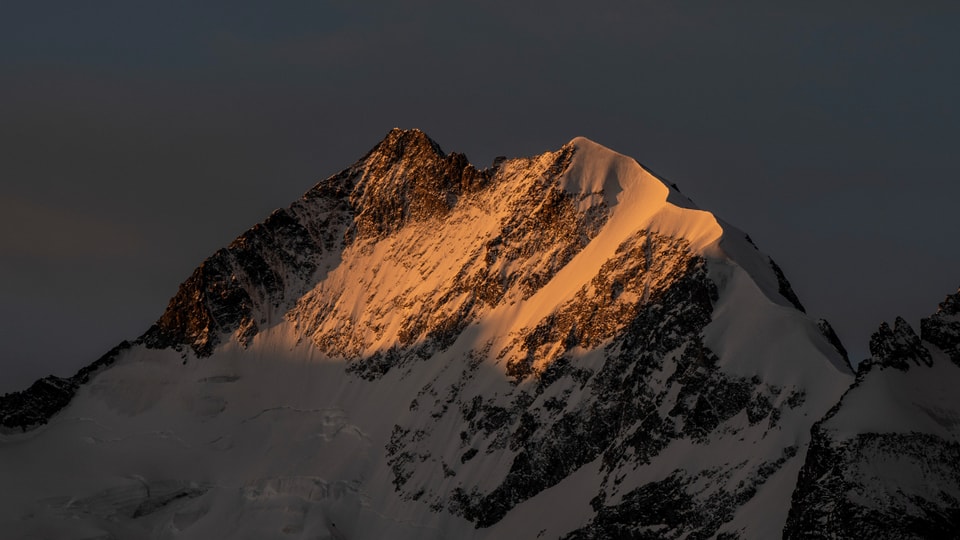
{"x": 137, "y": 139}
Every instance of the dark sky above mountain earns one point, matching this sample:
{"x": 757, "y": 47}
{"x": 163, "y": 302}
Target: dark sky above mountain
{"x": 137, "y": 139}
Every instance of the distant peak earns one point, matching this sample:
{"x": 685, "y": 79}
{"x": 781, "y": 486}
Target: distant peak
{"x": 899, "y": 347}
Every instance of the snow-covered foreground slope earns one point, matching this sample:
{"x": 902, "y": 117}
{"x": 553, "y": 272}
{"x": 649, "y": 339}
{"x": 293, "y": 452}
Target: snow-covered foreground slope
{"x": 557, "y": 346}
{"x": 257, "y": 443}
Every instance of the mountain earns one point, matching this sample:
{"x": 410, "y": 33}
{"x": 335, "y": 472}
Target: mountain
{"x": 885, "y": 461}
{"x": 561, "y": 346}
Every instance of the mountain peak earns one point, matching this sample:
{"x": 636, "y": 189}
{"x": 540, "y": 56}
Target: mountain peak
{"x": 407, "y": 177}
{"x": 550, "y": 318}
{"x": 899, "y": 347}
{"x": 406, "y": 143}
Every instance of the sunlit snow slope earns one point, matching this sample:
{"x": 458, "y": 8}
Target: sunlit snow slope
{"x": 560, "y": 346}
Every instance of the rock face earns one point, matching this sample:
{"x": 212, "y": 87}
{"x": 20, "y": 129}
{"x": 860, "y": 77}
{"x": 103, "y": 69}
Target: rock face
{"x": 885, "y": 462}
{"x": 405, "y": 179}
{"x": 251, "y": 282}
{"x": 36, "y": 405}
{"x": 558, "y": 346}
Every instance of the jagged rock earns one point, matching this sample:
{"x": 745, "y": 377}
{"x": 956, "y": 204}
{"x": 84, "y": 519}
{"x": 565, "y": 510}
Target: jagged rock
{"x": 828, "y": 332}
{"x": 785, "y": 288}
{"x": 44, "y": 398}
{"x": 407, "y": 177}
{"x": 255, "y": 279}
{"x": 898, "y": 348}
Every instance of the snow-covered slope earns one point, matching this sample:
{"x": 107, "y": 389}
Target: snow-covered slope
{"x": 885, "y": 462}
{"x": 557, "y": 346}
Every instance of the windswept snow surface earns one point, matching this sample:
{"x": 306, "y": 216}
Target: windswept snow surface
{"x": 541, "y": 318}
{"x": 922, "y": 399}
{"x": 265, "y": 442}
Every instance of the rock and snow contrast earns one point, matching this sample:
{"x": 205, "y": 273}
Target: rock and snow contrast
{"x": 885, "y": 462}
{"x": 560, "y": 346}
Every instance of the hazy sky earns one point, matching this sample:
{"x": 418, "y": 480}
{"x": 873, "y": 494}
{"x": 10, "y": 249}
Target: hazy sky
{"x": 137, "y": 139}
